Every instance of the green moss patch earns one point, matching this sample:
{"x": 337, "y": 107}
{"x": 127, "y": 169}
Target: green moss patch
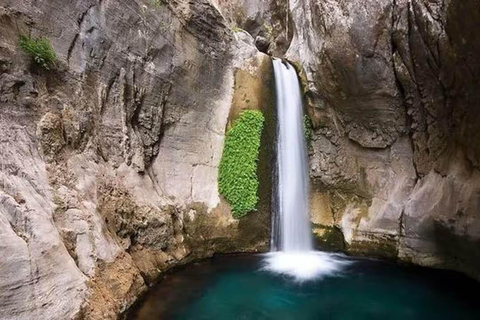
{"x": 385, "y": 248}
{"x": 308, "y": 129}
{"x": 157, "y": 3}
{"x": 40, "y": 50}
{"x": 329, "y": 238}
{"x": 238, "y": 180}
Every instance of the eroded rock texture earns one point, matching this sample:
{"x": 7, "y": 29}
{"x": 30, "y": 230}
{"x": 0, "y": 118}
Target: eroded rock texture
{"x": 392, "y": 88}
{"x": 268, "y": 22}
{"x": 108, "y": 162}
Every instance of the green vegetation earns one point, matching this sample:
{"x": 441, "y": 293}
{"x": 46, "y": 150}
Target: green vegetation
{"x": 236, "y": 29}
{"x": 308, "y": 128}
{"x": 40, "y": 50}
{"x": 156, "y": 3}
{"x": 238, "y": 180}
{"x": 268, "y": 30}
{"x": 328, "y": 237}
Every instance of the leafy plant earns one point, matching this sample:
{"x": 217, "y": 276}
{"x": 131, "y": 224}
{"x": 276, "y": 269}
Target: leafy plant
{"x": 40, "y": 50}
{"x": 308, "y": 129}
{"x": 238, "y": 180}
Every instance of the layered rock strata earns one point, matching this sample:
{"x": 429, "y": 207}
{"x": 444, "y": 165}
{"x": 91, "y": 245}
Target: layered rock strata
{"x": 108, "y": 162}
{"x": 392, "y": 89}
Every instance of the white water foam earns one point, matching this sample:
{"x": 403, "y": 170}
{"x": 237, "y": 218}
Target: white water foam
{"x": 303, "y": 266}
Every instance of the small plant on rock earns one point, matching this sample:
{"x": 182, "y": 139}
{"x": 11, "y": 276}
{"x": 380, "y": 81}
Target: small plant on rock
{"x": 40, "y": 50}
{"x": 268, "y": 30}
{"x": 236, "y": 29}
{"x": 308, "y": 129}
{"x": 238, "y": 180}
{"x": 156, "y": 3}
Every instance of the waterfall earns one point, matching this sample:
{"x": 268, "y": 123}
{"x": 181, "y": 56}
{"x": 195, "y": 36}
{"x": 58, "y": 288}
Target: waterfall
{"x": 293, "y": 233}
{"x": 292, "y": 250}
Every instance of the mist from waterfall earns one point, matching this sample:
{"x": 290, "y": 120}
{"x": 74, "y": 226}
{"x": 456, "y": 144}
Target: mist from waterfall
{"x": 292, "y": 251}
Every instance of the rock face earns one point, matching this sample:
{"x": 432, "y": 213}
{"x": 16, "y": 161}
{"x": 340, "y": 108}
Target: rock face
{"x": 108, "y": 168}
{"x": 392, "y": 89}
{"x": 108, "y": 162}
{"x": 268, "y": 22}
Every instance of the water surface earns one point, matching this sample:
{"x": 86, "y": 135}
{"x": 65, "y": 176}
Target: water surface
{"x": 236, "y": 287}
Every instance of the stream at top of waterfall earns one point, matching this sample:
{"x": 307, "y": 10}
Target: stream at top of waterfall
{"x": 240, "y": 287}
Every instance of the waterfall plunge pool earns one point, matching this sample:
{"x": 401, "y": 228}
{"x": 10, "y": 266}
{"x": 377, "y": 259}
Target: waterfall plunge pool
{"x": 240, "y": 287}
{"x": 293, "y": 281}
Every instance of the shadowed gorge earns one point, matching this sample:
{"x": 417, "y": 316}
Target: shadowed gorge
{"x": 114, "y": 116}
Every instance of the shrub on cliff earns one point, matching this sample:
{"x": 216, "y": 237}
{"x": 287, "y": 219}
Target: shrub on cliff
{"x": 308, "y": 129}
{"x": 238, "y": 180}
{"x": 40, "y": 50}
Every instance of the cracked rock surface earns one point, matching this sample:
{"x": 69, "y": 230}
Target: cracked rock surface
{"x": 108, "y": 162}
{"x": 392, "y": 89}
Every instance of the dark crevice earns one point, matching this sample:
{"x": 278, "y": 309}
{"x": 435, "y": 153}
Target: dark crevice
{"x": 408, "y": 118}
{"x": 19, "y": 234}
{"x": 163, "y": 103}
{"x": 70, "y": 48}
{"x": 401, "y": 224}
{"x": 110, "y": 84}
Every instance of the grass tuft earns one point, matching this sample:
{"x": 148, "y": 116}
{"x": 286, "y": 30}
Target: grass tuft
{"x": 40, "y": 50}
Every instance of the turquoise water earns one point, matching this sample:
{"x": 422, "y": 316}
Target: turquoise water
{"x": 235, "y": 288}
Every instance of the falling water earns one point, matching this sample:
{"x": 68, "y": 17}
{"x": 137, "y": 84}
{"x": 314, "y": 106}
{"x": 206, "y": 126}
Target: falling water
{"x": 293, "y": 232}
{"x": 292, "y": 246}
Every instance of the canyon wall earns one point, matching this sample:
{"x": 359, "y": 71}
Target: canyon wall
{"x": 108, "y": 162}
{"x": 392, "y": 90}
{"x": 268, "y": 22}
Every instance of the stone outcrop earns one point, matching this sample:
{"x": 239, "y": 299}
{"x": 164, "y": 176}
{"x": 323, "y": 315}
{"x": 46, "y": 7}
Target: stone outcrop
{"x": 108, "y": 162}
{"x": 268, "y": 22}
{"x": 391, "y": 87}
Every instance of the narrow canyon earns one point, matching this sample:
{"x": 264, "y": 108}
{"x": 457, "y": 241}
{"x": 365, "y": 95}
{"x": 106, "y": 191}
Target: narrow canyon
{"x": 110, "y": 155}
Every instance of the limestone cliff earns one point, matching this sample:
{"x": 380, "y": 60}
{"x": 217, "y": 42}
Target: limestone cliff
{"x": 108, "y": 162}
{"x": 392, "y": 88}
{"x": 268, "y": 22}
